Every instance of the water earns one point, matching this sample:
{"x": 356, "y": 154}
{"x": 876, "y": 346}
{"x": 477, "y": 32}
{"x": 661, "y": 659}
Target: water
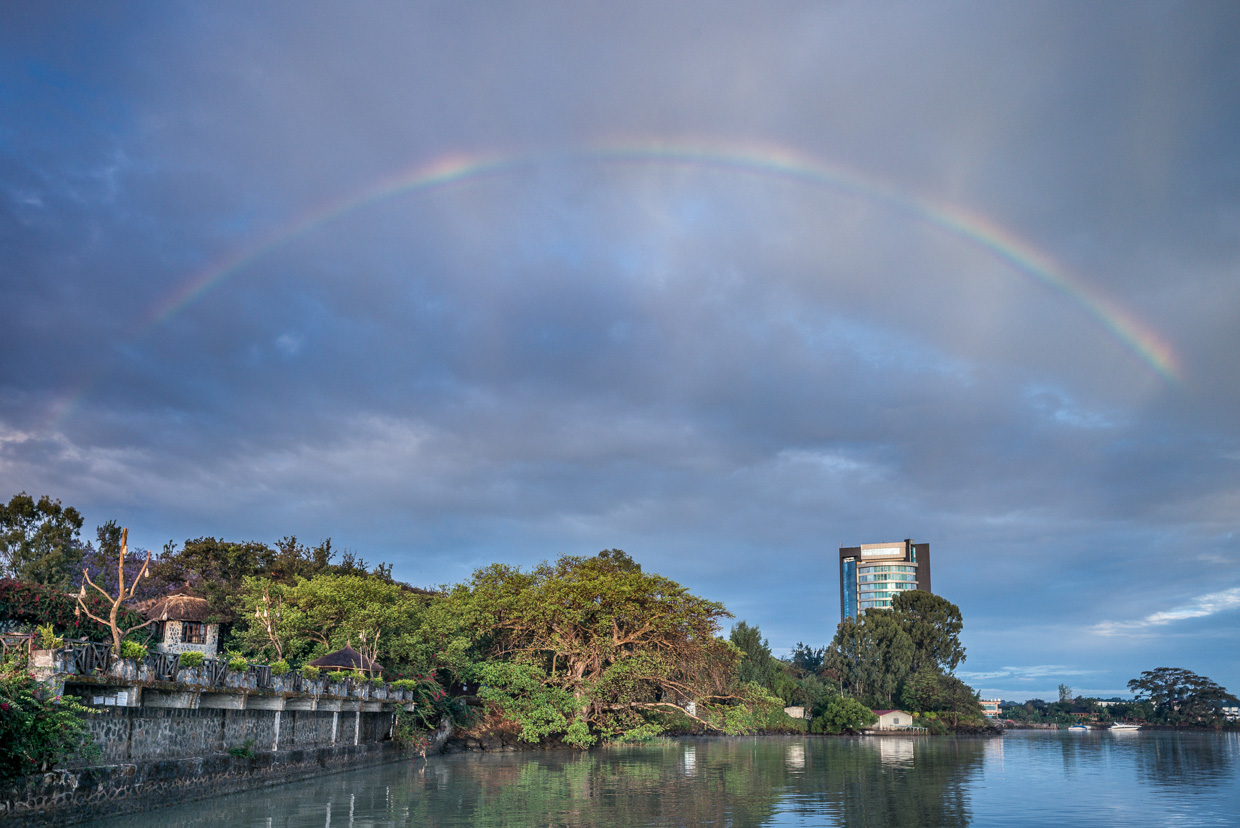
{"x": 1027, "y": 778}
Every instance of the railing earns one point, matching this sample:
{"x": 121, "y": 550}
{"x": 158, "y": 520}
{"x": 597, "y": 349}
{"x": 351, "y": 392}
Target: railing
{"x": 16, "y": 641}
{"x": 163, "y": 666}
{"x": 216, "y": 669}
{"x": 89, "y": 656}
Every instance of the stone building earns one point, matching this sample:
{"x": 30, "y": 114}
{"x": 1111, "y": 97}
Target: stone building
{"x": 186, "y": 628}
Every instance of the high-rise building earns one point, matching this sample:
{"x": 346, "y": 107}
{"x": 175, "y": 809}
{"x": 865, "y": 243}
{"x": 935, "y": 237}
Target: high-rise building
{"x": 873, "y": 573}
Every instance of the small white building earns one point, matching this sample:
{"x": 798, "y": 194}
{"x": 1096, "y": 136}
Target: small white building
{"x": 893, "y": 720}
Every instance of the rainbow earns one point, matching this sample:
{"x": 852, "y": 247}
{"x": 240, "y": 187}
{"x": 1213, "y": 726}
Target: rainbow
{"x": 768, "y": 161}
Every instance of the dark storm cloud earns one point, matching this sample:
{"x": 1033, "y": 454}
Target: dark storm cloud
{"x": 725, "y": 372}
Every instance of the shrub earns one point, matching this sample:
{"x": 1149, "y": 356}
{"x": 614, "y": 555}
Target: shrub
{"x": 38, "y": 730}
{"x": 47, "y": 638}
{"x": 310, "y": 672}
{"x": 132, "y": 649}
{"x": 191, "y": 658}
{"x": 338, "y": 675}
{"x": 280, "y": 667}
{"x": 405, "y": 684}
{"x": 237, "y": 663}
{"x": 245, "y": 751}
{"x": 34, "y": 604}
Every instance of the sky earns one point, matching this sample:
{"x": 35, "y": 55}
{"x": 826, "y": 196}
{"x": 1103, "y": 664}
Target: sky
{"x": 726, "y": 286}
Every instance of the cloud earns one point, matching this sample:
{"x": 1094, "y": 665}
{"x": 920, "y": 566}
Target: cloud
{"x": 1201, "y": 607}
{"x": 1028, "y": 673}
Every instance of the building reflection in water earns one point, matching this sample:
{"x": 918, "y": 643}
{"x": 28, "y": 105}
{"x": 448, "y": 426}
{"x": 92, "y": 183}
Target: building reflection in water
{"x": 895, "y": 750}
{"x": 690, "y": 760}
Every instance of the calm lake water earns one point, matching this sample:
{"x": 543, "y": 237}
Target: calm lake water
{"x": 1023, "y": 779}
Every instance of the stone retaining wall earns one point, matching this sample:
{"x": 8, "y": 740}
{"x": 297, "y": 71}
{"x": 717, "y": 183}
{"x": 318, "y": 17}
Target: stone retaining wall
{"x": 136, "y": 734}
{"x": 70, "y": 796}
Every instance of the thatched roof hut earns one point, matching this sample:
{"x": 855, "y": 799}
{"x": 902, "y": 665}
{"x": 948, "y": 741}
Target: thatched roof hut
{"x": 176, "y": 607}
{"x": 347, "y": 658}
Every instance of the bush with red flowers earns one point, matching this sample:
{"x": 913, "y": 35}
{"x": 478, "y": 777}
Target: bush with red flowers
{"x": 35, "y": 604}
{"x": 38, "y": 730}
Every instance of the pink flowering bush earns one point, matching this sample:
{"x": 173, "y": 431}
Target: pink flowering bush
{"x": 38, "y": 730}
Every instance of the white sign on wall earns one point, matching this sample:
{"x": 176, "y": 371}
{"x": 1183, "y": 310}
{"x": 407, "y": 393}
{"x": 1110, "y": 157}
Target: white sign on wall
{"x": 884, "y": 552}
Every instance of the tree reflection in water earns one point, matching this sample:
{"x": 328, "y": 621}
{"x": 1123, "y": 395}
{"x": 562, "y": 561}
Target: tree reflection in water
{"x": 1034, "y": 778}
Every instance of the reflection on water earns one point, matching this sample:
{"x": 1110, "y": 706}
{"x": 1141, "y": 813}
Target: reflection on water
{"x": 896, "y": 750}
{"x": 1023, "y": 779}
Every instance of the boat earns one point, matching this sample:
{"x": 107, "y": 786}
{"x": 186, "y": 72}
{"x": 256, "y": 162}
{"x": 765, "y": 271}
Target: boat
{"x": 1124, "y": 727}
{"x": 1078, "y": 728}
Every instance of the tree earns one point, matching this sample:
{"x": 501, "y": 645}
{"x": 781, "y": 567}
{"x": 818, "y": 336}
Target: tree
{"x": 871, "y": 656}
{"x": 605, "y": 649}
{"x": 758, "y": 665}
{"x": 1065, "y": 694}
{"x": 38, "y": 730}
{"x": 381, "y": 620}
{"x": 39, "y": 540}
{"x": 1181, "y": 695}
{"x": 807, "y": 659}
{"x": 929, "y": 690}
{"x": 122, "y": 595}
{"x": 933, "y": 624}
{"x": 842, "y": 713}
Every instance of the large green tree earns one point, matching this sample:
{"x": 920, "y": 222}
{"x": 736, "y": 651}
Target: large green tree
{"x": 379, "y": 618}
{"x": 933, "y": 624}
{"x": 595, "y": 646}
{"x": 39, "y": 540}
{"x": 758, "y": 665}
{"x": 871, "y": 656}
{"x": 1181, "y": 695}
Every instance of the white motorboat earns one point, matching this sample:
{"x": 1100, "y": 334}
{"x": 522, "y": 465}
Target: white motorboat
{"x": 1124, "y": 727}
{"x": 1078, "y": 728}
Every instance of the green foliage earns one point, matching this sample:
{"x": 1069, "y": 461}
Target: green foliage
{"x": 758, "y": 665}
{"x": 237, "y": 663}
{"x": 808, "y": 659}
{"x": 47, "y": 638}
{"x": 310, "y": 672}
{"x": 39, "y": 541}
{"x": 876, "y": 654}
{"x": 841, "y": 714}
{"x": 339, "y": 675}
{"x": 279, "y": 668}
{"x": 132, "y": 649}
{"x": 1179, "y": 695}
{"x": 33, "y": 604}
{"x": 312, "y": 617}
{"x": 929, "y": 690}
{"x": 37, "y": 730}
{"x": 217, "y": 569}
{"x": 589, "y": 647}
{"x": 523, "y": 693}
{"x": 243, "y": 751}
{"x": 933, "y": 624}
{"x": 190, "y": 658}
{"x": 871, "y": 655}
{"x": 410, "y": 731}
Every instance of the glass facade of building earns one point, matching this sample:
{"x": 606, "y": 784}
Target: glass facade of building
{"x": 848, "y": 587}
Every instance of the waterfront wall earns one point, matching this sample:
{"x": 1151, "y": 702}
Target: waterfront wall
{"x": 138, "y": 734}
{"x": 70, "y": 796}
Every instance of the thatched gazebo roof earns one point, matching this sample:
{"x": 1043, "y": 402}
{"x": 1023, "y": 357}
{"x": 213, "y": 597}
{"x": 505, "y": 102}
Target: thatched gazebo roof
{"x": 177, "y": 607}
{"x": 346, "y": 658}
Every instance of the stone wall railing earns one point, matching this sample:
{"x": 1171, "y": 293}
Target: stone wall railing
{"x": 94, "y": 661}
